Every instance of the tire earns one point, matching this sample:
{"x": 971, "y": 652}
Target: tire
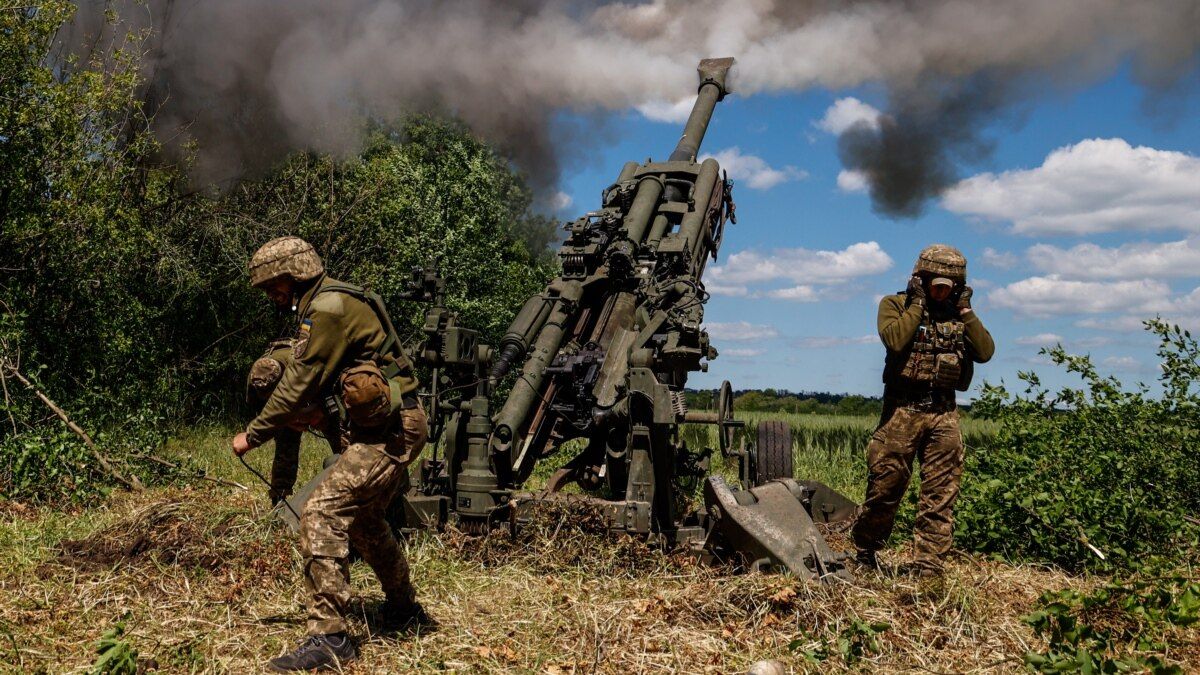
{"x": 773, "y": 452}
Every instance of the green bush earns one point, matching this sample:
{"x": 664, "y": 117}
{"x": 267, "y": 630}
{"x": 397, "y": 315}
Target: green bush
{"x": 1099, "y": 477}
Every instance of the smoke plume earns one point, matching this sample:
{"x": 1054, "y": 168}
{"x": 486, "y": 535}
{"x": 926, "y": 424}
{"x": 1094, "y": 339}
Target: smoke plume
{"x": 250, "y": 80}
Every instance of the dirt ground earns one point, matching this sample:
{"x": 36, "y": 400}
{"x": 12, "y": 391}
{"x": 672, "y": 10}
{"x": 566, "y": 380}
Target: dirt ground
{"x": 205, "y": 581}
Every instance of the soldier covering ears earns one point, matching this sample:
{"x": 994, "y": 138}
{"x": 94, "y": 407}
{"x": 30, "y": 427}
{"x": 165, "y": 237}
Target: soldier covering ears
{"x": 933, "y": 339}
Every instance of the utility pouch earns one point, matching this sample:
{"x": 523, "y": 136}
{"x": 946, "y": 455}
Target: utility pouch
{"x": 946, "y": 369}
{"x": 366, "y": 394}
{"x": 919, "y": 367}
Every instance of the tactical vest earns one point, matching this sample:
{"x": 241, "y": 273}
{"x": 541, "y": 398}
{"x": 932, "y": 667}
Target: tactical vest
{"x": 390, "y": 360}
{"x": 936, "y": 359}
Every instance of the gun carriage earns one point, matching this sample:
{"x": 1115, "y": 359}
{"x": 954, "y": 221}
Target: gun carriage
{"x": 599, "y": 359}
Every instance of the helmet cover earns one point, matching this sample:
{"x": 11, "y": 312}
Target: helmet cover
{"x": 943, "y": 261}
{"x": 290, "y": 257}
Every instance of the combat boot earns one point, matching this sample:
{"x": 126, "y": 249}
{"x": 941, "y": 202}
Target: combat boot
{"x": 402, "y": 615}
{"x": 317, "y": 652}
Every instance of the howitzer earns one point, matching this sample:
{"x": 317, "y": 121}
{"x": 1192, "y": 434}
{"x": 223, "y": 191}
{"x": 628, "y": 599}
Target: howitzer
{"x": 599, "y": 359}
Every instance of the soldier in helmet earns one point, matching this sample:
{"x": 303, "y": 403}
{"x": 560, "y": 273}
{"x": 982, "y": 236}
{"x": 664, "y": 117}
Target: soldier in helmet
{"x": 933, "y": 339}
{"x": 265, "y": 374}
{"x": 346, "y": 352}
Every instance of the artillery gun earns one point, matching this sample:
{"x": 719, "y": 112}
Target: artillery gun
{"x": 600, "y": 359}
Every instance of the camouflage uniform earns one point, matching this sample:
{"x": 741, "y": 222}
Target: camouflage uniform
{"x": 930, "y": 354}
{"x": 348, "y": 508}
{"x": 338, "y": 327}
{"x": 264, "y": 375}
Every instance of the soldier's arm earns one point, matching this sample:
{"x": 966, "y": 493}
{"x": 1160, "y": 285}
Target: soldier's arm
{"x": 897, "y": 323}
{"x": 312, "y": 365}
{"x": 979, "y": 340}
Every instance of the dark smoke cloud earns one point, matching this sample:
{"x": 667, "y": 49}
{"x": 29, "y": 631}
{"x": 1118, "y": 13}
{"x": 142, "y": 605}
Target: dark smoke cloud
{"x": 913, "y": 153}
{"x": 250, "y": 80}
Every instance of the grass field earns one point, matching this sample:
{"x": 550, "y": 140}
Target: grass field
{"x": 205, "y": 581}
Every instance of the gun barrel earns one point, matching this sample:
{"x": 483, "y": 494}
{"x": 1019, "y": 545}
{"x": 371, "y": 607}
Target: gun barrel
{"x": 713, "y": 76}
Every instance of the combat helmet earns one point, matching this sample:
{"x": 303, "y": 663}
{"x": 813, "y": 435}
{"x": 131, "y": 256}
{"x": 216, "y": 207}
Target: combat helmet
{"x": 943, "y": 261}
{"x": 267, "y": 371}
{"x": 285, "y": 257}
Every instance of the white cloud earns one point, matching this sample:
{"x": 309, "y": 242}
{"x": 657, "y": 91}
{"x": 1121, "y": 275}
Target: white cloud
{"x": 728, "y": 290}
{"x": 828, "y": 342}
{"x": 666, "y": 111}
{"x": 1004, "y": 260}
{"x": 741, "y": 331}
{"x": 1132, "y": 323}
{"x": 801, "y": 266}
{"x": 1189, "y": 303}
{"x": 1040, "y": 340}
{"x": 743, "y": 353}
{"x": 1128, "y": 261}
{"x": 1051, "y": 295}
{"x": 845, "y": 113}
{"x": 803, "y": 293}
{"x": 1127, "y": 363}
{"x": 1129, "y": 323}
{"x": 754, "y": 170}
{"x": 1097, "y": 185}
{"x": 852, "y": 181}
{"x": 1091, "y": 342}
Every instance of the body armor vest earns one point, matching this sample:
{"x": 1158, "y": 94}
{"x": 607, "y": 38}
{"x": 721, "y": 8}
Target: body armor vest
{"x": 937, "y": 356}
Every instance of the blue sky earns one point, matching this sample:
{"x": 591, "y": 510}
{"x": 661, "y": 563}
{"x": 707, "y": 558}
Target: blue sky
{"x": 1085, "y": 219}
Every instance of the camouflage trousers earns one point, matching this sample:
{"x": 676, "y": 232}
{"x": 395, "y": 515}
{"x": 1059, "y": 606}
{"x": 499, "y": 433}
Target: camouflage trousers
{"x": 933, "y": 439}
{"x": 286, "y": 463}
{"x": 348, "y": 508}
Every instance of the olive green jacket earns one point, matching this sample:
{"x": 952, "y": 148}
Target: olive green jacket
{"x": 898, "y": 322}
{"x": 334, "y": 331}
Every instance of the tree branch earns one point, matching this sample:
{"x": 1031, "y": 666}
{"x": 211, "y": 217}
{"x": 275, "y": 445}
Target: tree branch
{"x": 132, "y": 482}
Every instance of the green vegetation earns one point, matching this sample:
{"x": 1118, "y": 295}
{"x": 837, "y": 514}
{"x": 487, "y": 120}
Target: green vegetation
{"x": 1097, "y": 478}
{"x": 1116, "y": 628}
{"x": 115, "y": 655}
{"x": 828, "y": 448}
{"x": 783, "y": 401}
{"x": 205, "y": 580}
{"x": 124, "y": 297}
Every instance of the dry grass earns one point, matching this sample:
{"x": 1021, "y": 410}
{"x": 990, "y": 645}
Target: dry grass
{"x": 208, "y": 583}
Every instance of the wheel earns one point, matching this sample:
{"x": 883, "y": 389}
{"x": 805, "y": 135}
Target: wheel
{"x": 773, "y": 452}
{"x": 725, "y": 414}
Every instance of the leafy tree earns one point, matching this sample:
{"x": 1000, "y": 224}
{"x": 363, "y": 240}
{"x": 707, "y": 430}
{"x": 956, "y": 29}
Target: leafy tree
{"x": 124, "y": 296}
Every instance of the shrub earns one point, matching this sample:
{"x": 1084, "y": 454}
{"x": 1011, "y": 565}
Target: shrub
{"x": 1099, "y": 477}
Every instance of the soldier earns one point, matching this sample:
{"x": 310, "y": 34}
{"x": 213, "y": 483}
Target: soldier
{"x": 264, "y": 376}
{"x": 346, "y": 351}
{"x": 933, "y": 340}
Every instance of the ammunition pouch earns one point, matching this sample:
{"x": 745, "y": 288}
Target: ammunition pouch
{"x": 369, "y": 396}
{"x": 946, "y": 369}
{"x": 936, "y": 357}
{"x": 366, "y": 395}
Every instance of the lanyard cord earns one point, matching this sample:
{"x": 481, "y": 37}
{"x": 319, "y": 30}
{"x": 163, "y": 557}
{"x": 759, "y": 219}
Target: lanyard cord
{"x": 268, "y": 484}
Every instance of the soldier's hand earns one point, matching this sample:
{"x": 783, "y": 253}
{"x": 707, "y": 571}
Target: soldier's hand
{"x": 964, "y": 299}
{"x": 241, "y": 444}
{"x": 916, "y": 291}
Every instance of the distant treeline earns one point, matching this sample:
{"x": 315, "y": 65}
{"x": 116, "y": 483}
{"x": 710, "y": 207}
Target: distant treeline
{"x": 782, "y": 400}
